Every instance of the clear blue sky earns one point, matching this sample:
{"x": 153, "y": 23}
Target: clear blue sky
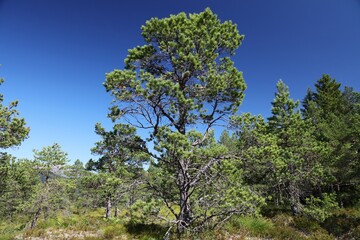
{"x": 54, "y": 55}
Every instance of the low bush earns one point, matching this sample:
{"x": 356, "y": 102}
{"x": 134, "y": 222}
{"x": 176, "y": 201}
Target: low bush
{"x": 114, "y": 230}
{"x": 321, "y": 234}
{"x": 145, "y": 231}
{"x": 342, "y": 222}
{"x": 285, "y": 233}
{"x": 306, "y": 225}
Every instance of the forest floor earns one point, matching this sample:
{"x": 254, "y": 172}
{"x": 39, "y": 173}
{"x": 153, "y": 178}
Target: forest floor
{"x": 343, "y": 225}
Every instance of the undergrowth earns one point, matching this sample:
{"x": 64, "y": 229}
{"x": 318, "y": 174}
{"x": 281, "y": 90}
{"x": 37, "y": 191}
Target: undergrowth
{"x": 342, "y": 224}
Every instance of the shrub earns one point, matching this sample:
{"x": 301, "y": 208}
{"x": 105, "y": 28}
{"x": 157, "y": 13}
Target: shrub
{"x": 285, "y": 233}
{"x": 321, "y": 208}
{"x": 342, "y": 221}
{"x": 112, "y": 231}
{"x": 283, "y": 220}
{"x": 321, "y": 235}
{"x": 306, "y": 225}
{"x": 146, "y": 230}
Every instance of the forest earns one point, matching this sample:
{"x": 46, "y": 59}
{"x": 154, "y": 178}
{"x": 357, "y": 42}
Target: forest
{"x": 293, "y": 175}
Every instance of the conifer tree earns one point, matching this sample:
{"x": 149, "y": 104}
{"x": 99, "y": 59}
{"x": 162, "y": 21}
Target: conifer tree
{"x": 286, "y": 153}
{"x": 182, "y": 76}
{"x": 13, "y": 131}
{"x": 335, "y": 116}
{"x": 122, "y": 154}
{"x": 51, "y": 193}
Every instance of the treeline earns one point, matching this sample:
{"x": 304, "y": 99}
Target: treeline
{"x": 303, "y": 159}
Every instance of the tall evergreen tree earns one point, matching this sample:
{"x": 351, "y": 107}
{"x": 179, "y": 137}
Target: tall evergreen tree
{"x": 336, "y": 119}
{"x": 286, "y": 153}
{"x": 182, "y": 76}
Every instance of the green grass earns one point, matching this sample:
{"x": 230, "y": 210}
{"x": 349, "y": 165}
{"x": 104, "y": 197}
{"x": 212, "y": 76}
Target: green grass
{"x": 9, "y": 229}
{"x": 254, "y": 226}
{"x": 90, "y": 225}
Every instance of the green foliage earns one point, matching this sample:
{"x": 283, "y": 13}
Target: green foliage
{"x": 228, "y": 141}
{"x": 306, "y": 225}
{"x": 183, "y": 76}
{"x": 335, "y": 116}
{"x": 342, "y": 221}
{"x": 321, "y": 208}
{"x": 282, "y": 155}
{"x": 48, "y": 159}
{"x": 122, "y": 154}
{"x": 141, "y": 212}
{"x": 13, "y": 129}
{"x": 113, "y": 231}
{"x": 52, "y": 192}
{"x": 13, "y": 184}
{"x": 18, "y": 183}
{"x": 146, "y": 231}
{"x": 177, "y": 87}
{"x": 118, "y": 148}
{"x": 254, "y": 226}
{"x": 286, "y": 233}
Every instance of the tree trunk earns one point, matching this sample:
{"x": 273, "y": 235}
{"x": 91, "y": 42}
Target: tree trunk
{"x": 46, "y": 213}
{"x": 294, "y": 199}
{"x": 108, "y": 208}
{"x": 184, "y": 217}
{"x": 341, "y": 203}
{"x": 36, "y": 216}
{"x": 116, "y": 211}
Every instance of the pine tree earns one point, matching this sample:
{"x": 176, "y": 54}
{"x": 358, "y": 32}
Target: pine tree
{"x": 182, "y": 76}
{"x": 122, "y": 154}
{"x": 51, "y": 193}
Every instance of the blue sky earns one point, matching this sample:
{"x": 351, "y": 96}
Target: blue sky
{"x": 54, "y": 55}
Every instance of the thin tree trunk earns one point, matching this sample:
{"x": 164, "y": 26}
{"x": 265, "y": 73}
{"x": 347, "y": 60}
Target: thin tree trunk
{"x": 108, "y": 208}
{"x": 341, "y": 201}
{"x": 36, "y": 216}
{"x": 184, "y": 217}
{"x": 116, "y": 211}
{"x": 294, "y": 199}
{"x": 46, "y": 213}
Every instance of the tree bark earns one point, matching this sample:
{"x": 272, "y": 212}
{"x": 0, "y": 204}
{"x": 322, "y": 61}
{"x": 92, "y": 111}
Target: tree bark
{"x": 294, "y": 199}
{"x": 108, "y": 208}
{"x": 184, "y": 217}
{"x": 116, "y": 211}
{"x": 36, "y": 216}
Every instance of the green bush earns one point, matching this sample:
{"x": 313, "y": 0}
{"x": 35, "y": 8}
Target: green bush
{"x": 321, "y": 208}
{"x": 146, "y": 230}
{"x": 321, "y": 235}
{"x": 342, "y": 222}
{"x": 114, "y": 230}
{"x": 283, "y": 220}
{"x": 285, "y": 233}
{"x": 306, "y": 225}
